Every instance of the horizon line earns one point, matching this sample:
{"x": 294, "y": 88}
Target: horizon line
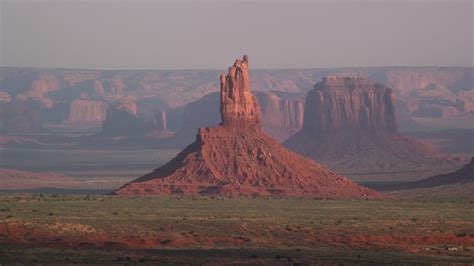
{"x": 216, "y": 69}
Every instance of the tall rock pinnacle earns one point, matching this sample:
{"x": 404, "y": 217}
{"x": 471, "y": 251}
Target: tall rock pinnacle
{"x": 239, "y": 108}
{"x": 237, "y": 158}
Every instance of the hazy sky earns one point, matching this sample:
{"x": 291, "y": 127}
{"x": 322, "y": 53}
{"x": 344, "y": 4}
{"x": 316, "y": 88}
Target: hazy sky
{"x": 113, "y": 34}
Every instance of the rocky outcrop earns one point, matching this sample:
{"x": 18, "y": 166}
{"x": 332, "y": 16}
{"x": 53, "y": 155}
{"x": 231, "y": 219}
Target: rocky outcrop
{"x": 239, "y": 108}
{"x": 407, "y": 80}
{"x": 122, "y": 120}
{"x": 116, "y": 86}
{"x": 349, "y": 104}
{"x": 350, "y": 124}
{"x": 39, "y": 88}
{"x": 74, "y": 77}
{"x": 237, "y": 158}
{"x": 86, "y": 112}
{"x": 20, "y": 117}
{"x": 159, "y": 122}
{"x": 281, "y": 114}
{"x": 128, "y": 105}
{"x": 436, "y": 93}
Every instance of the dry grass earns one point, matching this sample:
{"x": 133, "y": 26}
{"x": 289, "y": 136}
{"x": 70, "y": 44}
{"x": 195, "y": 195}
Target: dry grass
{"x": 249, "y": 230}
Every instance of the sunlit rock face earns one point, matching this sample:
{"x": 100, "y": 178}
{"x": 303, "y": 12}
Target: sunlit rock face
{"x": 350, "y": 125}
{"x": 239, "y": 108}
{"x": 349, "y": 104}
{"x": 237, "y": 158}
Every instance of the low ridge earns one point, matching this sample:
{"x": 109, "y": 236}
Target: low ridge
{"x": 458, "y": 184}
{"x": 461, "y": 176}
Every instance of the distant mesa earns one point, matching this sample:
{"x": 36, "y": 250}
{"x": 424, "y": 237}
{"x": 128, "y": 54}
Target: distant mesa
{"x": 237, "y": 158}
{"x": 86, "y": 113}
{"x": 351, "y": 105}
{"x": 350, "y": 124}
{"x": 18, "y": 117}
{"x": 428, "y": 97}
{"x": 13, "y": 179}
{"x": 122, "y": 120}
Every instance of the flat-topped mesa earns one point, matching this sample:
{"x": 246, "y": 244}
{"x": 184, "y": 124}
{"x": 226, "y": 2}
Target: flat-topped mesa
{"x": 349, "y": 104}
{"x": 239, "y": 108}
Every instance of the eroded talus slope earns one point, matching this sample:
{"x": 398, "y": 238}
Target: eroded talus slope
{"x": 237, "y": 158}
{"x": 350, "y": 124}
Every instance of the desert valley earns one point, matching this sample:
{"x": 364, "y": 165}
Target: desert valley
{"x": 251, "y": 157}
{"x": 200, "y": 132}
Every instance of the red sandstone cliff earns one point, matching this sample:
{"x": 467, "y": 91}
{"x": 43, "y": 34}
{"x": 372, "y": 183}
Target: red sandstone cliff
{"x": 281, "y": 114}
{"x": 350, "y": 124}
{"x": 39, "y": 88}
{"x": 239, "y": 108}
{"x": 237, "y": 158}
{"x": 19, "y": 117}
{"x": 349, "y": 104}
{"x": 85, "y": 112}
{"x": 428, "y": 97}
{"x": 160, "y": 122}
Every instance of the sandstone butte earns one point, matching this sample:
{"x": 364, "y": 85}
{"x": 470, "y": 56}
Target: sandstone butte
{"x": 237, "y": 158}
{"x": 350, "y": 124}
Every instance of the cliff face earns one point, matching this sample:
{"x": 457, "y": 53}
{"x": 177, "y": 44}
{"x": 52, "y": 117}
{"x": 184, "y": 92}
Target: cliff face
{"x": 441, "y": 93}
{"x": 281, "y": 114}
{"x": 349, "y": 104}
{"x": 19, "y": 117}
{"x": 239, "y": 108}
{"x": 407, "y": 80}
{"x": 127, "y": 105}
{"x": 39, "y": 88}
{"x": 122, "y": 120}
{"x": 350, "y": 124}
{"x": 87, "y": 112}
{"x": 160, "y": 121}
{"x": 236, "y": 158}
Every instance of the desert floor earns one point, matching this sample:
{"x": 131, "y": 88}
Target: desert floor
{"x": 43, "y": 228}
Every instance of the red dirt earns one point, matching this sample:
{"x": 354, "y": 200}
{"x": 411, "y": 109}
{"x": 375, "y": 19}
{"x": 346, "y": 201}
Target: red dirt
{"x": 15, "y": 233}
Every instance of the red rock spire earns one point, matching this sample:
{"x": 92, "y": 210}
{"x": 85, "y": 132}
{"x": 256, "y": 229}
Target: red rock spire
{"x": 239, "y": 108}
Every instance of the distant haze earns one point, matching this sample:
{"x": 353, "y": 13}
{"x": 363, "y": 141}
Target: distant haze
{"x": 137, "y": 34}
